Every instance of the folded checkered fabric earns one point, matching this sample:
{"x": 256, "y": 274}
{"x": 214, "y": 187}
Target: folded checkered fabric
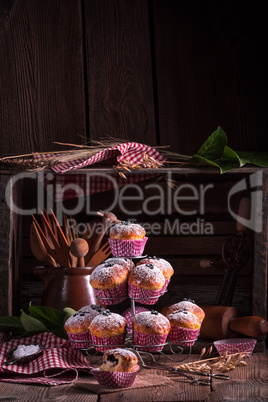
{"x": 67, "y": 186}
{"x": 59, "y": 363}
{"x": 131, "y": 151}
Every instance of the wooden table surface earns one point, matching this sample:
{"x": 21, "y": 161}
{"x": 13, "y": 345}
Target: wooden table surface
{"x": 247, "y": 383}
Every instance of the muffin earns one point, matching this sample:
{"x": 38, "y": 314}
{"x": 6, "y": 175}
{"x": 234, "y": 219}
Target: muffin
{"x": 119, "y": 369}
{"x": 110, "y": 282}
{"x": 184, "y": 329}
{"x": 150, "y": 331}
{"x": 189, "y": 305}
{"x": 108, "y": 330}
{"x": 127, "y": 239}
{"x": 125, "y": 262}
{"x": 122, "y": 360}
{"x": 127, "y": 314}
{"x": 145, "y": 283}
{"x": 77, "y": 326}
{"x": 164, "y": 266}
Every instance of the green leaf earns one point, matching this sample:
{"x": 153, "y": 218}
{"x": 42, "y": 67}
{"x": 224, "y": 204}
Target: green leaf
{"x": 31, "y": 324}
{"x": 254, "y": 158}
{"x": 213, "y": 147}
{"x": 69, "y": 311}
{"x": 222, "y": 165}
{"x": 203, "y": 161}
{"x": 230, "y": 155}
{"x": 11, "y": 324}
{"x": 51, "y": 317}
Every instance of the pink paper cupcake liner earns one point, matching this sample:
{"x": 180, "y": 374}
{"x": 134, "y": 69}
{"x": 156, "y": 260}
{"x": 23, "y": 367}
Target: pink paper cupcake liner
{"x": 102, "y": 344}
{"x": 112, "y": 296}
{"x": 127, "y": 248}
{"x": 165, "y": 286}
{"x": 81, "y": 340}
{"x": 115, "y": 379}
{"x": 236, "y": 345}
{"x": 127, "y": 314}
{"x": 182, "y": 336}
{"x": 146, "y": 342}
{"x": 143, "y": 296}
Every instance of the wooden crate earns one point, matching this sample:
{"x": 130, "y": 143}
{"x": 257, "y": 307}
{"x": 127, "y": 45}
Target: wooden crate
{"x": 171, "y": 238}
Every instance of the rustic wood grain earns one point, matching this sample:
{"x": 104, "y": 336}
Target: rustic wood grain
{"x": 210, "y": 72}
{"x": 10, "y": 247}
{"x": 249, "y": 384}
{"x": 41, "y": 75}
{"x": 119, "y": 77}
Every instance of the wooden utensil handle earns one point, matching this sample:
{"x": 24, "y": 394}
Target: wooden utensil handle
{"x": 80, "y": 261}
{"x": 250, "y": 326}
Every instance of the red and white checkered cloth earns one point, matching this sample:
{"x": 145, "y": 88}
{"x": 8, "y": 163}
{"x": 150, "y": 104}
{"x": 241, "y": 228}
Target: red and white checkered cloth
{"x": 61, "y": 187}
{"x": 59, "y": 363}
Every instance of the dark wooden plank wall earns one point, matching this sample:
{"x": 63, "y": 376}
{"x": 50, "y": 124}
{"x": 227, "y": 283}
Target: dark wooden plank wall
{"x": 41, "y": 75}
{"x": 119, "y": 71}
{"x": 210, "y": 72}
{"x": 156, "y": 71}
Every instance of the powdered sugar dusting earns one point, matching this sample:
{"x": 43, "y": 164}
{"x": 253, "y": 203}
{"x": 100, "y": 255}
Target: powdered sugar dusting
{"x": 80, "y": 318}
{"x": 184, "y": 317}
{"x": 158, "y": 321}
{"x": 93, "y": 309}
{"x": 106, "y": 272}
{"x": 125, "y": 262}
{"x": 109, "y": 322}
{"x": 160, "y": 263}
{"x": 142, "y": 274}
{"x": 121, "y": 352}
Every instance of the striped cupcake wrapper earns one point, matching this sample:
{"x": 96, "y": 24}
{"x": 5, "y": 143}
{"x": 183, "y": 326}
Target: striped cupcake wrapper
{"x": 148, "y": 342}
{"x": 101, "y": 344}
{"x": 112, "y": 296}
{"x": 81, "y": 340}
{"x": 127, "y": 248}
{"x": 182, "y": 336}
{"x": 143, "y": 296}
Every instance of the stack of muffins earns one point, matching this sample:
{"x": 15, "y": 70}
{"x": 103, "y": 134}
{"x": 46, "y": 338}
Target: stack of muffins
{"x": 115, "y": 280}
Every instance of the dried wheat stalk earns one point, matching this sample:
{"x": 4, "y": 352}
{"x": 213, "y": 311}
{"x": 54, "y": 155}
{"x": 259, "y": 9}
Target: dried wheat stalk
{"x": 29, "y": 164}
{"x": 148, "y": 163}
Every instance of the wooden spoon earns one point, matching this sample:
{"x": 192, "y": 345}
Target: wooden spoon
{"x": 106, "y": 223}
{"x": 90, "y": 234}
{"x": 79, "y": 248}
{"x": 38, "y": 248}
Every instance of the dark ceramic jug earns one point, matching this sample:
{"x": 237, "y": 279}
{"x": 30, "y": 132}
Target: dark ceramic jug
{"x": 66, "y": 287}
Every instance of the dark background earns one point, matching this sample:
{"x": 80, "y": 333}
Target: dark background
{"x": 157, "y": 72}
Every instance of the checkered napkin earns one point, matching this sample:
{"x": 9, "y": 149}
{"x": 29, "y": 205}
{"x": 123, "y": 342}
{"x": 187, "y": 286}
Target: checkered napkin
{"x": 59, "y": 363}
{"x": 61, "y": 186}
